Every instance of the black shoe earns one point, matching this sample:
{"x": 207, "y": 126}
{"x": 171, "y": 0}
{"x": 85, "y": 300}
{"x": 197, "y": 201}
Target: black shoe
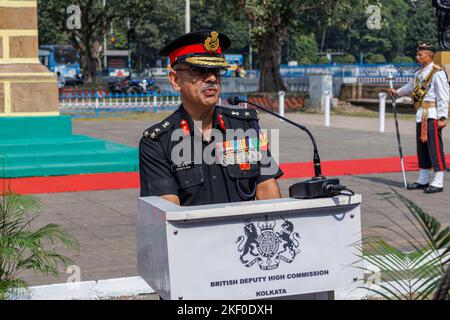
{"x": 416, "y": 186}
{"x": 432, "y": 189}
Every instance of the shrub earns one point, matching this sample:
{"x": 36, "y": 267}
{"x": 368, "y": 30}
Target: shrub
{"x": 375, "y": 58}
{"x": 22, "y": 248}
{"x": 402, "y": 59}
{"x": 347, "y": 59}
{"x": 415, "y": 275}
{"x": 323, "y": 60}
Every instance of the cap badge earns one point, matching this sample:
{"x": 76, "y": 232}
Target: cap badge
{"x": 212, "y": 42}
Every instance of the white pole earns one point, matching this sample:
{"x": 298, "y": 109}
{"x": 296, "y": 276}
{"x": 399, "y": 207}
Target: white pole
{"x": 382, "y": 97}
{"x": 155, "y": 103}
{"x": 96, "y": 104}
{"x": 281, "y": 103}
{"x": 188, "y": 16}
{"x": 327, "y": 108}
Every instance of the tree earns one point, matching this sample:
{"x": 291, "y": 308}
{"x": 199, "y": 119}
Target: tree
{"x": 48, "y": 34}
{"x": 269, "y": 21}
{"x": 375, "y": 58}
{"x": 304, "y": 48}
{"x": 347, "y": 59}
{"x": 402, "y": 59}
{"x": 155, "y": 24}
{"x": 165, "y": 23}
{"x": 351, "y": 32}
{"x": 205, "y": 15}
{"x": 95, "y": 19}
{"x": 323, "y": 60}
{"x": 422, "y": 26}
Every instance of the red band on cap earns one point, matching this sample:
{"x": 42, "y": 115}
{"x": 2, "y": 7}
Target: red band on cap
{"x": 192, "y": 48}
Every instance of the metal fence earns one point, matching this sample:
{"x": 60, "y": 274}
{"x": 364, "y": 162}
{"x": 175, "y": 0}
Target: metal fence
{"x": 87, "y": 104}
{"x": 244, "y": 85}
{"x": 350, "y": 70}
{"x": 382, "y": 79}
{"x": 93, "y": 104}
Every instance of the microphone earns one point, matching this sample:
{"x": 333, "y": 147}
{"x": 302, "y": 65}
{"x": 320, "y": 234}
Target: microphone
{"x": 316, "y": 187}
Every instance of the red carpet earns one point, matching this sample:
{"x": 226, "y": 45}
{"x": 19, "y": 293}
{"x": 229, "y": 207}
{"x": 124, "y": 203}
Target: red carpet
{"x": 128, "y": 180}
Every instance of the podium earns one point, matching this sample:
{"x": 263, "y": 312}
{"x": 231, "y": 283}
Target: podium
{"x": 266, "y": 249}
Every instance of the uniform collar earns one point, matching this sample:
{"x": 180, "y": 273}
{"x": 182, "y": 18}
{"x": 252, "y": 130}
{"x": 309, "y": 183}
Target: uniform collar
{"x": 428, "y": 67}
{"x": 184, "y": 115}
{"x": 218, "y": 122}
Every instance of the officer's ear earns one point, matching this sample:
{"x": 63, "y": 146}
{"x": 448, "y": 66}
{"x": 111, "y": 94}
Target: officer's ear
{"x": 174, "y": 79}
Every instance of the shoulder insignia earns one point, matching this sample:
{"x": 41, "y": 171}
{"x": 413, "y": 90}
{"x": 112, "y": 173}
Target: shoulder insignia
{"x": 246, "y": 114}
{"x": 158, "y": 129}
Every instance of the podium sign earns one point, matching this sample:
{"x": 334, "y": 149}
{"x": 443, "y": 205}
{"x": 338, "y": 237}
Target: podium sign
{"x": 249, "y": 250}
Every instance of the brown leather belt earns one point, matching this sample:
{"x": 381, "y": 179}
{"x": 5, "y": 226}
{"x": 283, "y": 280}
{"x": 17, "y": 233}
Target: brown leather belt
{"x": 424, "y": 125}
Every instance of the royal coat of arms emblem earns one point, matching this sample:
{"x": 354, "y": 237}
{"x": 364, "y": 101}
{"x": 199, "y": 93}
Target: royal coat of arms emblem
{"x": 268, "y": 247}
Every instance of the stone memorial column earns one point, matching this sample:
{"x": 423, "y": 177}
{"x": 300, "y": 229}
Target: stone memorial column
{"x": 27, "y": 88}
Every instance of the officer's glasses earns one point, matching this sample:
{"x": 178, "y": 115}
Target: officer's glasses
{"x": 204, "y": 72}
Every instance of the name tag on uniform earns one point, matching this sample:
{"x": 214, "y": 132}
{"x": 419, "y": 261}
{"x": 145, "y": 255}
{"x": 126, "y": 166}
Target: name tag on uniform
{"x": 181, "y": 166}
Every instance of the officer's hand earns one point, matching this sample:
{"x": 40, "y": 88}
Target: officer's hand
{"x": 442, "y": 123}
{"x": 172, "y": 198}
{"x": 392, "y": 92}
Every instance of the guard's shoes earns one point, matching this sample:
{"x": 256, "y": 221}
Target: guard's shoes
{"x": 432, "y": 189}
{"x": 416, "y": 186}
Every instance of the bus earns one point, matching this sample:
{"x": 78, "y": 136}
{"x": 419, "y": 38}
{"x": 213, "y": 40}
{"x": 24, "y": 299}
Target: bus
{"x": 234, "y": 60}
{"x": 62, "y": 59}
{"x": 117, "y": 64}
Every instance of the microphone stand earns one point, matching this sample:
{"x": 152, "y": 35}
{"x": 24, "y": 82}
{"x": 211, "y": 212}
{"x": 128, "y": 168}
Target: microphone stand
{"x": 316, "y": 187}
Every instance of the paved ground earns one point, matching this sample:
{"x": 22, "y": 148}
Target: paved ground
{"x": 347, "y": 138}
{"x": 104, "y": 221}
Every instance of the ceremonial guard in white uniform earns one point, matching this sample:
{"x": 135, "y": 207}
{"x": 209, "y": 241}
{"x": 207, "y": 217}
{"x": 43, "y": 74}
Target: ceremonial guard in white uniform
{"x": 430, "y": 92}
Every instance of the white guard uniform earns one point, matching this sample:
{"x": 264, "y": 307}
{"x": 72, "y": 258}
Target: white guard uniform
{"x": 430, "y": 153}
{"x": 438, "y": 91}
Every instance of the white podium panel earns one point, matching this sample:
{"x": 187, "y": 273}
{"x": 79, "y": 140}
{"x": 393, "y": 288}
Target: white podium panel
{"x": 249, "y": 250}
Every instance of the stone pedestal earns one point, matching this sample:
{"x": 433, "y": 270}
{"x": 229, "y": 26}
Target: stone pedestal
{"x": 442, "y": 58}
{"x": 27, "y": 88}
{"x": 320, "y": 85}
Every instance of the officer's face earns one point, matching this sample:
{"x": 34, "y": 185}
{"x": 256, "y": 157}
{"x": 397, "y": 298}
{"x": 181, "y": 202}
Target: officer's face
{"x": 424, "y": 56}
{"x": 198, "y": 86}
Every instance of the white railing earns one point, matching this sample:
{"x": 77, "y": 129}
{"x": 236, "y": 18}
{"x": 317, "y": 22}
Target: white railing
{"x": 95, "y": 104}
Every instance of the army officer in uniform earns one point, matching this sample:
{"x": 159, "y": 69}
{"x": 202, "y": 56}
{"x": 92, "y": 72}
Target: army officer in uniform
{"x": 197, "y": 64}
